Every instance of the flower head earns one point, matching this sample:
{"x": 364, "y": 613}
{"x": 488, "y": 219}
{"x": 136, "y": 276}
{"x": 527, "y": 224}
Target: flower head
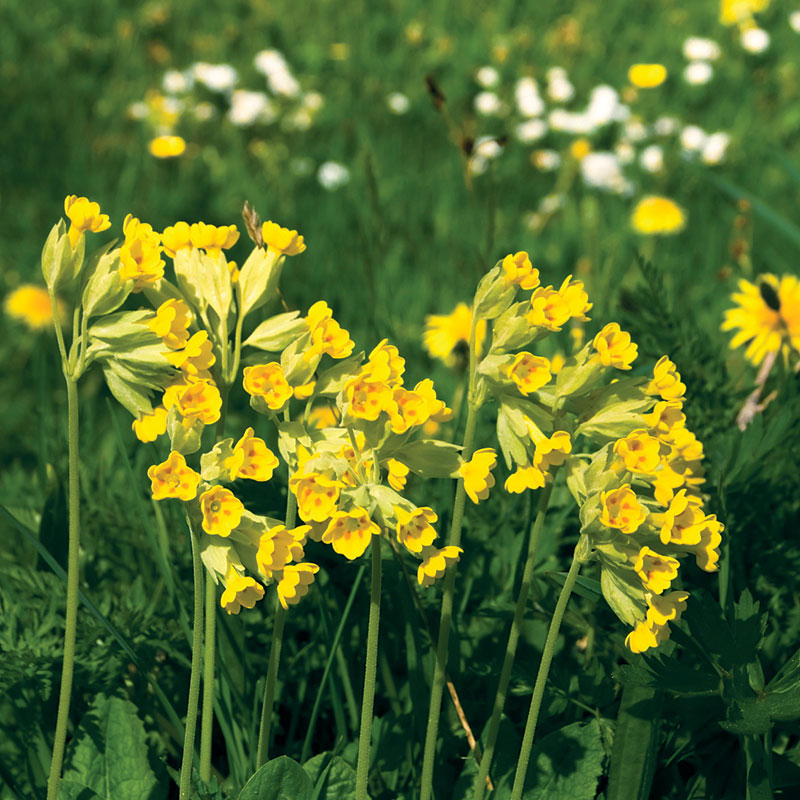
{"x": 240, "y": 591}
{"x": 171, "y": 324}
{"x": 528, "y": 477}
{"x": 639, "y": 451}
{"x": 149, "y": 427}
{"x": 549, "y": 309}
{"x": 517, "y": 268}
{"x": 327, "y": 336}
{"x": 213, "y": 239}
{"x": 282, "y": 240}
{"x": 614, "y": 347}
{"x": 621, "y": 509}
{"x": 435, "y": 563}
{"x": 195, "y": 356}
{"x": 173, "y": 478}
{"x": 140, "y": 254}
{"x": 552, "y": 451}
{"x": 656, "y": 571}
{"x": 477, "y": 475}
{"x": 666, "y": 381}
{"x": 397, "y": 474}
{"x": 447, "y": 335}
{"x": 316, "y": 493}
{"x": 200, "y": 401}
{"x": 31, "y": 305}
{"x": 84, "y": 215}
{"x": 280, "y": 546}
{"x": 414, "y": 529}
{"x": 576, "y": 298}
{"x": 167, "y": 147}
{"x": 295, "y": 583}
{"x": 252, "y": 459}
{"x": 269, "y": 382}
{"x": 658, "y": 216}
{"x": 176, "y": 237}
{"x": 529, "y": 372}
{"x": 222, "y": 511}
{"x": 647, "y": 76}
{"x": 350, "y": 532}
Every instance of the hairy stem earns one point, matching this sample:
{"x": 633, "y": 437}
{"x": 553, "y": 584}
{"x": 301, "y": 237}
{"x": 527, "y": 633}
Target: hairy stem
{"x": 209, "y": 658}
{"x": 269, "y": 686}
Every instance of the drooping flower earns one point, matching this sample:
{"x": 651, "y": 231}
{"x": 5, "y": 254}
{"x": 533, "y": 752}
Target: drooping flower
{"x": 666, "y": 381}
{"x": 552, "y": 451}
{"x": 528, "y": 477}
{"x": 517, "y": 268}
{"x": 656, "y": 571}
{"x": 398, "y": 474}
{"x": 84, "y": 215}
{"x": 316, "y": 493}
{"x": 614, "y": 347}
{"x": 140, "y": 254}
{"x": 621, "y": 509}
{"x": 577, "y": 299}
{"x": 414, "y": 529}
{"x": 369, "y": 399}
{"x": 658, "y": 216}
{"x": 171, "y": 324}
{"x": 196, "y": 355}
{"x": 384, "y": 364}
{"x": 529, "y": 372}
{"x": 280, "y": 546}
{"x": 435, "y": 563}
{"x": 295, "y": 583}
{"x": 476, "y": 474}
{"x": 240, "y": 591}
{"x": 222, "y": 511}
{"x": 269, "y": 382}
{"x": 549, "y": 309}
{"x": 252, "y": 459}
{"x": 327, "y": 336}
{"x": 282, "y": 240}
{"x": 173, "y": 478}
{"x": 350, "y": 532}
{"x": 149, "y": 427}
{"x": 447, "y": 335}
{"x": 200, "y": 401}
{"x": 639, "y": 451}
{"x": 31, "y": 304}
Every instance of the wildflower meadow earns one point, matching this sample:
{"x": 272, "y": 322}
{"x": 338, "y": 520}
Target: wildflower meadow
{"x": 400, "y": 401}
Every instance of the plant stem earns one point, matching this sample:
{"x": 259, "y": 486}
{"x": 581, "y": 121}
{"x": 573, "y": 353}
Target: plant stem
{"x": 209, "y": 658}
{"x": 370, "y": 668}
{"x": 73, "y": 566}
{"x": 194, "y": 680}
{"x": 269, "y": 686}
{"x": 511, "y": 647}
{"x": 541, "y": 677}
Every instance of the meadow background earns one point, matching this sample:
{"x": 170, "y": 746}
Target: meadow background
{"x": 401, "y": 226}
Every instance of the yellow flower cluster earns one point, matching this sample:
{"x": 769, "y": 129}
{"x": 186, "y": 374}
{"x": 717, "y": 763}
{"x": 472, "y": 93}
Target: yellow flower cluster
{"x": 211, "y": 238}
{"x": 447, "y": 335}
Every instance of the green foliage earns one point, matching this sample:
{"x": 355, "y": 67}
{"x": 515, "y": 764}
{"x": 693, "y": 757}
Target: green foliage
{"x": 279, "y": 779}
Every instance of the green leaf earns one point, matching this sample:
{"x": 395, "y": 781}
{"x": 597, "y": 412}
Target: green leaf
{"x": 109, "y": 757}
{"x": 279, "y": 779}
{"x": 278, "y": 332}
{"x": 333, "y": 777}
{"x": 430, "y": 458}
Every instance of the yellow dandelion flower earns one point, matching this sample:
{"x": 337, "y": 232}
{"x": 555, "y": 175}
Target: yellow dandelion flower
{"x": 446, "y": 336}
{"x": 658, "y": 216}
{"x": 31, "y": 305}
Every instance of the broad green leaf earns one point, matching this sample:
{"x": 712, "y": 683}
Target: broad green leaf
{"x": 333, "y": 777}
{"x": 279, "y": 779}
{"x": 109, "y": 758}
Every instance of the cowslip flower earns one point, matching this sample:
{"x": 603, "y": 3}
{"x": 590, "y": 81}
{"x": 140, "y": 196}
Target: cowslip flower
{"x": 549, "y": 309}
{"x": 476, "y": 474}
{"x": 240, "y": 591}
{"x": 577, "y": 299}
{"x": 327, "y": 336}
{"x": 384, "y": 365}
{"x": 200, "y": 401}
{"x": 706, "y": 552}
{"x": 268, "y": 381}
{"x": 682, "y": 522}
{"x": 350, "y": 532}
{"x": 222, "y": 511}
{"x": 529, "y": 372}
{"x": 149, "y": 427}
{"x": 397, "y": 474}
{"x": 658, "y": 216}
{"x": 528, "y": 477}
{"x": 213, "y": 239}
{"x": 517, "y": 268}
{"x": 435, "y": 563}
{"x": 280, "y": 546}
{"x": 167, "y": 146}
{"x": 665, "y": 417}
{"x": 621, "y": 509}
{"x": 647, "y": 76}
{"x": 84, "y": 215}
{"x": 196, "y": 355}
{"x": 173, "y": 478}
{"x": 614, "y": 347}
{"x": 282, "y": 240}
{"x": 31, "y": 304}
{"x": 551, "y": 451}
{"x": 316, "y": 493}
{"x": 645, "y": 636}
{"x": 140, "y": 254}
{"x": 251, "y": 459}
{"x": 666, "y": 381}
{"x": 446, "y": 336}
{"x": 171, "y": 324}
{"x": 639, "y": 451}
{"x": 368, "y": 400}
{"x": 294, "y": 585}
{"x": 414, "y": 529}
{"x": 176, "y": 237}
{"x": 655, "y": 571}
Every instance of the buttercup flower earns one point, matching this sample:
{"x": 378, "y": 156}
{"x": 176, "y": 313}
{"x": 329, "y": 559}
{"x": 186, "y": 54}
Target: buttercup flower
{"x": 252, "y": 459}
{"x": 294, "y": 585}
{"x": 240, "y": 591}
{"x": 222, "y": 511}
{"x": 268, "y": 381}
{"x": 151, "y": 426}
{"x": 282, "y": 240}
{"x": 167, "y": 147}
{"x": 350, "y": 532}
{"x": 614, "y": 347}
{"x": 435, "y": 563}
{"x": 477, "y": 475}
{"x": 84, "y": 215}
{"x": 414, "y": 529}
{"x": 171, "y": 324}
{"x": 31, "y": 305}
{"x": 621, "y": 509}
{"x": 647, "y": 76}
{"x": 658, "y": 216}
{"x": 529, "y": 372}
{"x": 172, "y": 478}
{"x": 656, "y": 571}
{"x": 517, "y": 268}
{"x": 447, "y": 335}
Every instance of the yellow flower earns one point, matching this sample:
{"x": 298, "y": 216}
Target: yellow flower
{"x": 140, "y": 254}
{"x": 84, "y": 215}
{"x": 213, "y": 239}
{"x": 282, "y": 240}
{"x": 294, "y": 585}
{"x": 621, "y": 509}
{"x": 240, "y": 591}
{"x": 268, "y": 381}
{"x": 576, "y": 298}
{"x": 647, "y": 76}
{"x": 171, "y": 323}
{"x": 31, "y": 304}
{"x": 414, "y": 408}
{"x": 683, "y": 520}
{"x": 477, "y": 475}
{"x": 665, "y": 417}
{"x": 367, "y": 400}
{"x": 414, "y": 530}
{"x": 666, "y": 381}
{"x": 639, "y": 451}
{"x": 666, "y": 607}
{"x": 435, "y": 563}
{"x": 323, "y": 416}
{"x": 528, "y": 477}
{"x": 327, "y": 336}
{"x": 398, "y": 474}
{"x": 385, "y": 365}
{"x": 549, "y": 309}
{"x": 304, "y": 391}
{"x": 196, "y": 354}
{"x": 518, "y": 269}
{"x": 252, "y": 459}
{"x": 151, "y": 426}
{"x": 350, "y": 532}
{"x": 447, "y": 335}
{"x": 706, "y": 553}
{"x": 557, "y": 362}
{"x": 176, "y": 237}
{"x": 167, "y": 146}
{"x": 657, "y": 216}
{"x": 172, "y": 478}
{"x": 279, "y": 547}
{"x": 316, "y": 494}
{"x": 740, "y": 12}
{"x": 222, "y": 511}
{"x": 199, "y": 401}
{"x": 552, "y": 451}
{"x": 614, "y": 347}
{"x": 529, "y": 372}
{"x": 656, "y": 571}
{"x": 644, "y": 636}
{"x": 767, "y": 316}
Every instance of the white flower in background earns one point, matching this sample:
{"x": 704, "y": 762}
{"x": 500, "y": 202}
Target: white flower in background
{"x": 546, "y": 160}
{"x": 651, "y": 159}
{"x": 693, "y": 139}
{"x": 175, "y": 82}
{"x": 204, "y": 111}
{"x": 698, "y": 73}
{"x": 794, "y": 21}
{"x": 488, "y": 77}
{"x": 755, "y": 40}
{"x": 527, "y": 97}
{"x": 665, "y": 126}
{"x": 625, "y": 152}
{"x": 478, "y": 165}
{"x": 604, "y": 106}
{"x": 333, "y": 175}
{"x": 272, "y": 65}
{"x": 715, "y": 148}
{"x": 138, "y": 110}
{"x": 635, "y": 130}
{"x": 559, "y": 87}
{"x": 696, "y": 48}
{"x": 488, "y": 104}
{"x": 398, "y": 103}
{"x": 531, "y": 130}
{"x": 313, "y": 101}
{"x": 301, "y": 166}
{"x": 299, "y": 120}
{"x": 571, "y": 121}
{"x": 487, "y": 147}
{"x": 247, "y": 108}
{"x": 603, "y": 171}
{"x": 217, "y": 77}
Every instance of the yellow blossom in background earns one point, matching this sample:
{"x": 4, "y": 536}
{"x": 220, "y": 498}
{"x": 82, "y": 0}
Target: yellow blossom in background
{"x": 269, "y": 382}
{"x": 621, "y": 509}
{"x": 222, "y": 511}
{"x": 446, "y": 336}
{"x": 614, "y": 347}
{"x": 323, "y": 416}
{"x": 151, "y": 426}
{"x": 435, "y": 563}
{"x": 529, "y": 372}
{"x": 739, "y": 12}
{"x": 31, "y": 305}
{"x": 167, "y": 146}
{"x": 557, "y": 362}
{"x": 549, "y": 309}
{"x": 294, "y": 585}
{"x": 140, "y": 254}
{"x": 173, "y": 478}
{"x": 282, "y": 240}
{"x": 657, "y": 216}
{"x": 528, "y": 477}
{"x": 171, "y": 323}
{"x": 251, "y": 459}
{"x": 84, "y": 215}
{"x": 477, "y": 475}
{"x": 639, "y": 451}
{"x": 213, "y": 239}
{"x": 414, "y": 529}
{"x": 517, "y": 268}
{"x": 196, "y": 355}
{"x": 767, "y": 316}
{"x": 647, "y": 76}
{"x": 176, "y": 237}
{"x": 240, "y": 591}
{"x": 656, "y": 571}
{"x": 327, "y": 336}
{"x": 199, "y": 401}
{"x": 350, "y": 532}
{"x": 666, "y": 381}
{"x": 316, "y": 494}
{"x": 580, "y": 148}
